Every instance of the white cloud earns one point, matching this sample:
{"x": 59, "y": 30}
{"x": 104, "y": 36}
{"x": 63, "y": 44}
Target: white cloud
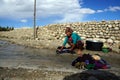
{"x": 23, "y": 20}
{"x": 68, "y": 10}
{"x": 114, "y": 8}
{"x": 16, "y": 8}
{"x": 99, "y": 11}
{"x": 76, "y": 15}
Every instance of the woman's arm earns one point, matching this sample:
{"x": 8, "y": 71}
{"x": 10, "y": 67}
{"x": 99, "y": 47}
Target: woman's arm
{"x": 65, "y": 41}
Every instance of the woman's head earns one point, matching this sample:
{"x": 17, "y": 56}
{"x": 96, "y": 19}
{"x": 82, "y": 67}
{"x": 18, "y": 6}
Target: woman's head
{"x": 68, "y": 31}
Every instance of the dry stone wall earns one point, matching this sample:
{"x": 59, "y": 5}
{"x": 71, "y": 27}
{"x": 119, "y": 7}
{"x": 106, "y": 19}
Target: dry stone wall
{"x": 53, "y": 34}
{"x": 106, "y": 31}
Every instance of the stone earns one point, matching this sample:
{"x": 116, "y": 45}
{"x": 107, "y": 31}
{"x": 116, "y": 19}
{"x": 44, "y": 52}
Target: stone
{"x": 110, "y": 26}
{"x": 116, "y": 28}
{"x": 109, "y": 41}
{"x": 103, "y": 40}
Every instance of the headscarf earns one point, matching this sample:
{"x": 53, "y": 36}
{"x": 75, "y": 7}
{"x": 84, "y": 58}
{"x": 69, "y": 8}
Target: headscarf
{"x": 68, "y": 29}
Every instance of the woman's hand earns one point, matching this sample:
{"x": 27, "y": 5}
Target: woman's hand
{"x": 61, "y": 48}
{"x": 72, "y": 47}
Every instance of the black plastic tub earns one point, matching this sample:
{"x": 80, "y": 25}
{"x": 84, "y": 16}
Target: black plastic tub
{"x": 94, "y": 45}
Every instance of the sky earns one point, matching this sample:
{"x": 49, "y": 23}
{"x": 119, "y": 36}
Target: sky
{"x": 19, "y": 13}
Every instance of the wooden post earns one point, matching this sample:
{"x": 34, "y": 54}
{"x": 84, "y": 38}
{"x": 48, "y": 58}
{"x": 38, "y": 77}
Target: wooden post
{"x": 35, "y": 32}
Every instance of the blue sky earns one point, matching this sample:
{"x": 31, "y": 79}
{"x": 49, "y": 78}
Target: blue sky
{"x": 19, "y": 13}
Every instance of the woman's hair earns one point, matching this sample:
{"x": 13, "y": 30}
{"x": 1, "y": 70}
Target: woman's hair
{"x": 68, "y": 29}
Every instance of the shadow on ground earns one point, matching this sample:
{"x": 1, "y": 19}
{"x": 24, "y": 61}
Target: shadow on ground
{"x": 93, "y": 75}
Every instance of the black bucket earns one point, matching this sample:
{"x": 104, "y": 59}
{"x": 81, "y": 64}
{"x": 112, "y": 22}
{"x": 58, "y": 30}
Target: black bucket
{"x": 94, "y": 45}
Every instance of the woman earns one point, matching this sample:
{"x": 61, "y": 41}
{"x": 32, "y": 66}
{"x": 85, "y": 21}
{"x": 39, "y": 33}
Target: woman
{"x": 74, "y": 40}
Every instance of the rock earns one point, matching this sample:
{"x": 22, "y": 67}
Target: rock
{"x": 103, "y": 40}
{"x": 109, "y": 41}
{"x": 92, "y": 75}
{"x": 116, "y": 28}
{"x": 110, "y": 26}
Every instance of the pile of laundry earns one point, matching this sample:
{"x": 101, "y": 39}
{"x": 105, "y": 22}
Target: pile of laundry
{"x": 88, "y": 61}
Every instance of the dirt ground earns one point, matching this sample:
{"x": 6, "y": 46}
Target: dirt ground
{"x": 25, "y": 63}
{"x": 30, "y": 74}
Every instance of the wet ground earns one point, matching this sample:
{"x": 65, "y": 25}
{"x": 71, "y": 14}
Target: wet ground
{"x": 15, "y": 56}
{"x": 42, "y": 64}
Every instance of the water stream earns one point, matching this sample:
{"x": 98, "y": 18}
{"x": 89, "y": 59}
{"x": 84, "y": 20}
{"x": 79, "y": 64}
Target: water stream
{"x": 15, "y": 56}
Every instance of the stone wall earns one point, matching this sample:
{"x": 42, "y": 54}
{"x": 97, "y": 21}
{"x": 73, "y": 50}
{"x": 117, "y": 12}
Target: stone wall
{"x": 52, "y": 35}
{"x": 106, "y": 31}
